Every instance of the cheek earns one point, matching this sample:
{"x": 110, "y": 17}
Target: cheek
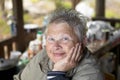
{"x": 67, "y": 47}
{"x": 48, "y": 48}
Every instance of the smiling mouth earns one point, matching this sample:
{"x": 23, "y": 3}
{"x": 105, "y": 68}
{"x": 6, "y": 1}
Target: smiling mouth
{"x": 58, "y": 54}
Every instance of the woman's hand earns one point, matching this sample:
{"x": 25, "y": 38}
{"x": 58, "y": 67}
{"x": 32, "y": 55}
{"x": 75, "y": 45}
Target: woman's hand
{"x": 71, "y": 60}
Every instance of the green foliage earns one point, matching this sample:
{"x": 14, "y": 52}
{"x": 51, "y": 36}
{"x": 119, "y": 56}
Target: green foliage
{"x": 109, "y": 14}
{"x": 34, "y": 1}
{"x": 117, "y": 26}
{"x": 112, "y": 14}
{"x": 67, "y": 5}
{"x": 62, "y": 4}
{"x": 4, "y": 28}
{"x": 58, "y": 4}
{"x": 27, "y": 18}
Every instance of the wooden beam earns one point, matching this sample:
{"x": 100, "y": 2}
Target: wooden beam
{"x": 114, "y": 22}
{"x": 100, "y": 8}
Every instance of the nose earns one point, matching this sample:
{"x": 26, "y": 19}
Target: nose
{"x": 57, "y": 45}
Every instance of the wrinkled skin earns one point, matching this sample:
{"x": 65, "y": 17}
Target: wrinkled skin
{"x": 63, "y": 46}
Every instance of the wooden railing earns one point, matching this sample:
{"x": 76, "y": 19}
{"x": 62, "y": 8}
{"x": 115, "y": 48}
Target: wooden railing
{"x": 112, "y": 21}
{"x": 13, "y": 44}
{"x": 8, "y": 44}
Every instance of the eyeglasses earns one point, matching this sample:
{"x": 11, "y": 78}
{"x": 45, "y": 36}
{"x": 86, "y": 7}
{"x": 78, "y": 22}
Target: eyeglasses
{"x": 61, "y": 39}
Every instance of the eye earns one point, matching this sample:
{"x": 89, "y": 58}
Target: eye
{"x": 65, "y": 38}
{"x": 50, "y": 39}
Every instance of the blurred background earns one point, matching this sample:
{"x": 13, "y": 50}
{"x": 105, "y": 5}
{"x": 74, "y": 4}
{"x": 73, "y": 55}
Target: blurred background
{"x": 35, "y": 11}
{"x": 22, "y": 25}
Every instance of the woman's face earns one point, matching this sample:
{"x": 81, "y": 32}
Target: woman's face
{"x": 60, "y": 38}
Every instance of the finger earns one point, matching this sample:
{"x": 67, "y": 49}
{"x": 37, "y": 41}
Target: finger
{"x": 74, "y": 53}
{"x": 81, "y": 52}
{"x": 78, "y": 53}
{"x": 70, "y": 54}
{"x": 79, "y": 58}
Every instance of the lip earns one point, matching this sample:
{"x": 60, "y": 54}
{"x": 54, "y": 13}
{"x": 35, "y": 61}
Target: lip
{"x": 58, "y": 54}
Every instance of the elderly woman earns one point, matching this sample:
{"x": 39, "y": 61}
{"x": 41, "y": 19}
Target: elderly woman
{"x": 65, "y": 56}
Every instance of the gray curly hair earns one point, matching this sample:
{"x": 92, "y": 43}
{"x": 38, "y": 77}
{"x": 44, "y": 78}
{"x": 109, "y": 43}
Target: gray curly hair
{"x": 73, "y": 18}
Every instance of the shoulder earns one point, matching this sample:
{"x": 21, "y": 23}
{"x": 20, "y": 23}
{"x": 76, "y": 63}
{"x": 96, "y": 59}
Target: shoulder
{"x": 39, "y": 56}
{"x": 33, "y": 67}
{"x": 88, "y": 62}
{"x": 88, "y": 68}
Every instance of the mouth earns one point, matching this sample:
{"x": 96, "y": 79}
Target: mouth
{"x": 59, "y": 54}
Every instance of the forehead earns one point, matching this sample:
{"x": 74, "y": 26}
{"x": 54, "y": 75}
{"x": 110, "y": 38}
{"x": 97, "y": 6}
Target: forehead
{"x": 56, "y": 28}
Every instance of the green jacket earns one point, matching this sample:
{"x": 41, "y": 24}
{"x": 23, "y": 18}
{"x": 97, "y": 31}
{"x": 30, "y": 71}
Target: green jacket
{"x": 40, "y": 64}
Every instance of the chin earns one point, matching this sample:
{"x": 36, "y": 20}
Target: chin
{"x": 56, "y": 60}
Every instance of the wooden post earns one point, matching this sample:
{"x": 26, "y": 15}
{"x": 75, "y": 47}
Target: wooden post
{"x": 100, "y": 8}
{"x": 18, "y": 15}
